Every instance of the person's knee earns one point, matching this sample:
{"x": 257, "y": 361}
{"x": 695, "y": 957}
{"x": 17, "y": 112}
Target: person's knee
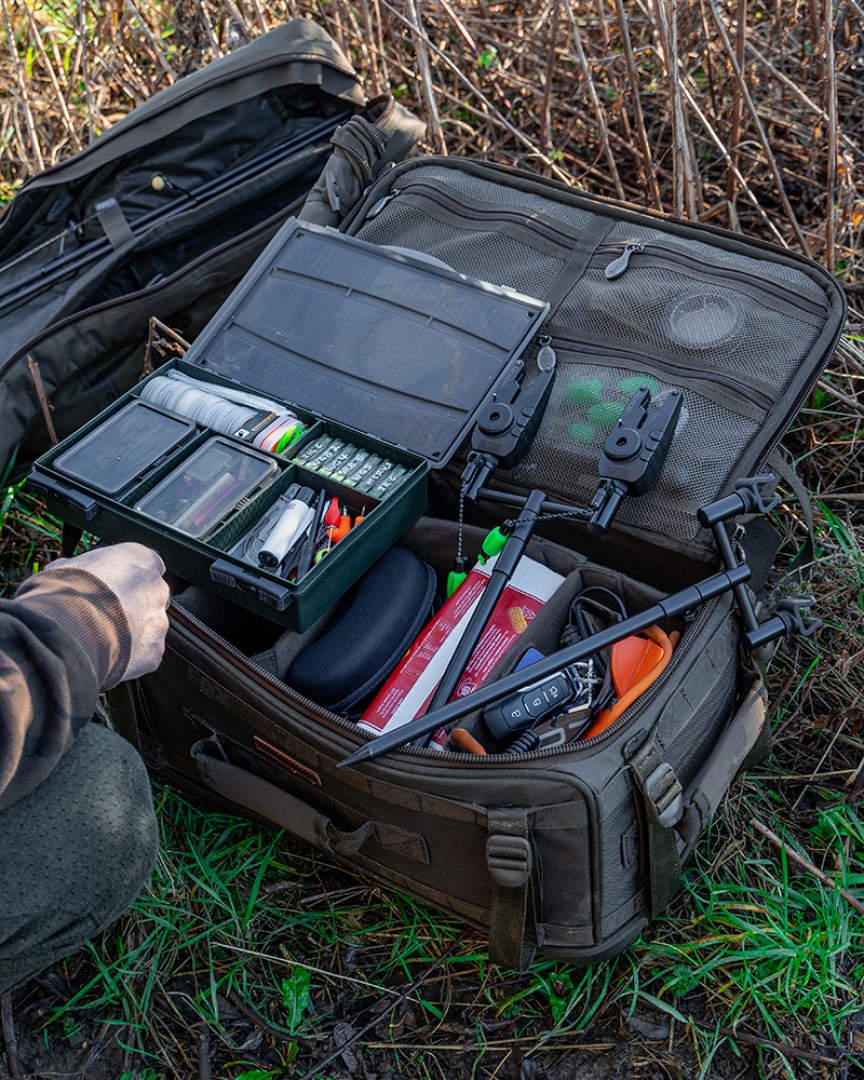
{"x": 116, "y": 823}
{"x": 76, "y": 852}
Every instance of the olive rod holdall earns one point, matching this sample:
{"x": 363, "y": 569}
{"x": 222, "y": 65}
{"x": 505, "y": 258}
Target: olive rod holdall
{"x": 160, "y": 217}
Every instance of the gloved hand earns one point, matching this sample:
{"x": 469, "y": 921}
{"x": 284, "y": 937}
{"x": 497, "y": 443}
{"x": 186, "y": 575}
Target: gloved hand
{"x": 113, "y": 600}
{"x": 134, "y": 574}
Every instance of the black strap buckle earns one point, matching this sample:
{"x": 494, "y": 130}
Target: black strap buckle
{"x": 664, "y": 799}
{"x": 509, "y": 859}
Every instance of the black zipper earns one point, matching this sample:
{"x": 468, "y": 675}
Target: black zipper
{"x": 313, "y": 711}
{"x": 240, "y": 72}
{"x": 727, "y": 382}
{"x": 491, "y": 217}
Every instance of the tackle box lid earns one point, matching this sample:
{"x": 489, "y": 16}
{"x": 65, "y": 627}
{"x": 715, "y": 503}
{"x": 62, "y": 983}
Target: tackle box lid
{"x": 385, "y": 341}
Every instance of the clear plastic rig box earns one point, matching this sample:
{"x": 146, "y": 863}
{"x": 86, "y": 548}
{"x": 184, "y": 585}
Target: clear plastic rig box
{"x": 383, "y": 359}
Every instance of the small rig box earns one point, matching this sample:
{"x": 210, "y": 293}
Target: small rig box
{"x": 381, "y": 353}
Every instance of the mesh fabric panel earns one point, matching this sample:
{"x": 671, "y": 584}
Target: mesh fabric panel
{"x": 583, "y": 409}
{"x": 665, "y": 311}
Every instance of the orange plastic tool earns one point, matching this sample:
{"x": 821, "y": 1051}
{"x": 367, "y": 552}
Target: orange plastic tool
{"x": 636, "y": 662}
{"x": 463, "y": 738}
{"x": 340, "y": 531}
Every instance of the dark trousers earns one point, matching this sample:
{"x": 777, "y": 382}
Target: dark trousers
{"x": 74, "y": 853}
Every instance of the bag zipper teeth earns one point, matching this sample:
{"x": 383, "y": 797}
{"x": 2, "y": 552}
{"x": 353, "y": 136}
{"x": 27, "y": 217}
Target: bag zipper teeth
{"x": 622, "y": 250}
{"x": 549, "y": 232}
{"x": 728, "y": 382}
{"x": 303, "y": 704}
{"x": 385, "y": 171}
{"x": 611, "y": 204}
{"x": 681, "y": 258}
{"x": 362, "y": 163}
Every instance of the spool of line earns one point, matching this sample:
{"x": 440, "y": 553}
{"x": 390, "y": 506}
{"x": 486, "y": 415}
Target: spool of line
{"x": 281, "y": 433}
{"x": 196, "y": 404}
{"x": 292, "y": 434}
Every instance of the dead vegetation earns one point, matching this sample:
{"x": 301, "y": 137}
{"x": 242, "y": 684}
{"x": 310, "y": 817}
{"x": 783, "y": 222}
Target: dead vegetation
{"x": 742, "y": 114}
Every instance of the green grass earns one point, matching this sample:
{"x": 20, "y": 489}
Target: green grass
{"x": 235, "y": 912}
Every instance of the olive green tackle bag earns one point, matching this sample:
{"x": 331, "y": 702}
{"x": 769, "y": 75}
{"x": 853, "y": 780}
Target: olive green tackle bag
{"x": 566, "y": 850}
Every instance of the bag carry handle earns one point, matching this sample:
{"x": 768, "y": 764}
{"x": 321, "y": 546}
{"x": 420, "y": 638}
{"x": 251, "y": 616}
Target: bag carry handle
{"x": 744, "y": 743}
{"x": 299, "y": 818}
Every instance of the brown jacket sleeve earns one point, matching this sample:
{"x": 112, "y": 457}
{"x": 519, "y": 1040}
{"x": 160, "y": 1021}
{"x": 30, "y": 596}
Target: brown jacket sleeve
{"x": 62, "y": 638}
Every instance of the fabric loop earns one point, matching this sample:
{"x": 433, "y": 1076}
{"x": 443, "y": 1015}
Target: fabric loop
{"x": 510, "y": 862}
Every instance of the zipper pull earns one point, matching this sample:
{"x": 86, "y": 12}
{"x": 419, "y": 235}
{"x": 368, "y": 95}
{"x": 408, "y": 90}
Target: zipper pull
{"x": 617, "y": 267}
{"x": 377, "y": 207}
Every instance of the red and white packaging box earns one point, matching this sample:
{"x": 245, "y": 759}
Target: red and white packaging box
{"x": 408, "y": 691}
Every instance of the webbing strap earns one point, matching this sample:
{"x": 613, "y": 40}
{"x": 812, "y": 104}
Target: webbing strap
{"x": 779, "y": 465}
{"x": 113, "y": 221}
{"x": 577, "y": 264}
{"x": 271, "y": 803}
{"x": 664, "y": 806}
{"x": 745, "y": 741}
{"x": 510, "y": 861}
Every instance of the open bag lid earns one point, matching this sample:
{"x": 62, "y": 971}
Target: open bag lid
{"x": 383, "y": 341}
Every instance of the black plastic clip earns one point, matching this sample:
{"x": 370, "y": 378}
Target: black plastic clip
{"x": 509, "y": 860}
{"x": 633, "y": 454}
{"x": 508, "y": 423}
{"x": 748, "y": 498}
{"x": 788, "y": 618}
{"x": 664, "y": 800}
